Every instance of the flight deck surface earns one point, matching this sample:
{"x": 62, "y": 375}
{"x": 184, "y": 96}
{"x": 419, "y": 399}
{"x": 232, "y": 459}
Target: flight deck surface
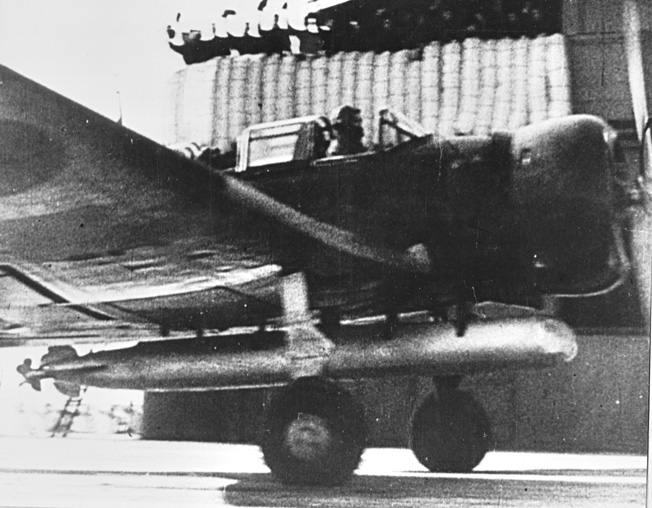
{"x": 92, "y": 471}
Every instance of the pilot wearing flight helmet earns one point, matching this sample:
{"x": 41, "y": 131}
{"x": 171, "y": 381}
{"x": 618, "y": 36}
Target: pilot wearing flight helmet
{"x": 347, "y": 131}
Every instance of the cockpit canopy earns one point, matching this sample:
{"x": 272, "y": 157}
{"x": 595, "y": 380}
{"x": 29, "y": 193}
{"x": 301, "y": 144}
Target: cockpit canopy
{"x": 308, "y": 138}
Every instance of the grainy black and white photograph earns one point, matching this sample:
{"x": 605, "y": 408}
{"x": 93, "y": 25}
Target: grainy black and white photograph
{"x": 326, "y": 253}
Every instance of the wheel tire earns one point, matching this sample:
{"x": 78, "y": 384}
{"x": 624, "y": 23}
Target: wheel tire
{"x": 450, "y": 432}
{"x": 315, "y": 434}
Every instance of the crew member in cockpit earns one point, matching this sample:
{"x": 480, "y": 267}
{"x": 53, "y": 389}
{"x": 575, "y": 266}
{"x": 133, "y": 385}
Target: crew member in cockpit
{"x": 347, "y": 131}
{"x": 323, "y": 136}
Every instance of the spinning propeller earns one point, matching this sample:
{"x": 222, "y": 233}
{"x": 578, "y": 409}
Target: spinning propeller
{"x": 640, "y": 223}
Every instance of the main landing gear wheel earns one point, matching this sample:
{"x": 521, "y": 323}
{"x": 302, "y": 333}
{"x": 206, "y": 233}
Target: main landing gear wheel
{"x": 315, "y": 434}
{"x": 450, "y": 431}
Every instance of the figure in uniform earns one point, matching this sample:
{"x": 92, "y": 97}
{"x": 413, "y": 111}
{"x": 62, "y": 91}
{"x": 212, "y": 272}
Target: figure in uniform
{"x": 347, "y": 131}
{"x": 323, "y": 136}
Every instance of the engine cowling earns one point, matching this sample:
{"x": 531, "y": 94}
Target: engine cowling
{"x": 530, "y": 213}
{"x": 564, "y": 196}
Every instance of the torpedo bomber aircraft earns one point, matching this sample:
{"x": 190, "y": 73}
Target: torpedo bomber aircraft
{"x": 474, "y": 234}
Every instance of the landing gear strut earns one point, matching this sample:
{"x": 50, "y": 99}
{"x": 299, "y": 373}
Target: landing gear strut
{"x": 450, "y": 430}
{"x": 315, "y": 433}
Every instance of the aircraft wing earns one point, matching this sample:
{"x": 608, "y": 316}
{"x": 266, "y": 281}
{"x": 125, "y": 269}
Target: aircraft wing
{"x": 74, "y": 182}
{"x": 134, "y": 295}
{"x": 85, "y": 200}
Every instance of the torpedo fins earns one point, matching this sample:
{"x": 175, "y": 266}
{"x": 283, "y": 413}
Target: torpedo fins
{"x": 26, "y": 369}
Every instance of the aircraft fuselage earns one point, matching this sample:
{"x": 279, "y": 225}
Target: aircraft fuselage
{"x": 507, "y": 217}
